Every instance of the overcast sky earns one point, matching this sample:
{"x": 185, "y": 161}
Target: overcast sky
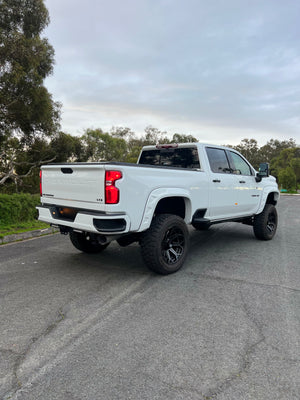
{"x": 221, "y": 70}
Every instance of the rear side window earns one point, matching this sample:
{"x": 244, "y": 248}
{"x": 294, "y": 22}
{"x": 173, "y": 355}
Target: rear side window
{"x": 179, "y": 157}
{"x": 218, "y": 160}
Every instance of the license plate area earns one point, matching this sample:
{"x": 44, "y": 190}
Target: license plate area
{"x": 64, "y": 213}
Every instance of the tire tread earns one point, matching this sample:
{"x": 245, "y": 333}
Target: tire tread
{"x": 149, "y": 243}
{"x": 260, "y": 222}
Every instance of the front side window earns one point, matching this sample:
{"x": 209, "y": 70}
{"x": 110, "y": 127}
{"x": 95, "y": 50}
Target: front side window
{"x": 218, "y": 160}
{"x": 240, "y": 166}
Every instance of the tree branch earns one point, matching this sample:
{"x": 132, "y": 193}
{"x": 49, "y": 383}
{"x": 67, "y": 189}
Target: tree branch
{"x": 11, "y": 174}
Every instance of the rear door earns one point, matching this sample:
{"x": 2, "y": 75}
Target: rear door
{"x": 223, "y": 194}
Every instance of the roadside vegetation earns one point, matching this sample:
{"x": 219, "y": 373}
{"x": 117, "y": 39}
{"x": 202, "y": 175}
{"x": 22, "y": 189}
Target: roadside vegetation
{"x": 21, "y": 227}
{"x": 283, "y": 156}
{"x": 18, "y": 213}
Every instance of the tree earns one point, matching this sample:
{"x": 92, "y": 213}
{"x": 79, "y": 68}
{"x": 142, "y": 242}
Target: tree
{"x": 100, "y": 146}
{"x": 26, "y": 59}
{"x": 178, "y": 138}
{"x": 154, "y": 136}
{"x": 122, "y": 132}
{"x": 295, "y": 164}
{"x": 287, "y": 161}
{"x": 250, "y": 150}
{"x": 274, "y": 147}
{"x": 20, "y": 164}
{"x": 134, "y": 146}
{"x": 287, "y": 178}
{"x": 65, "y": 147}
{"x": 27, "y": 112}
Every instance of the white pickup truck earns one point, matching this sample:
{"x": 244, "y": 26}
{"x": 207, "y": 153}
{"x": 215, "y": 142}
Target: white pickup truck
{"x": 153, "y": 201}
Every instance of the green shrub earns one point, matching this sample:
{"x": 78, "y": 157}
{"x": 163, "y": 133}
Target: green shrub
{"x": 287, "y": 178}
{"x": 17, "y": 208}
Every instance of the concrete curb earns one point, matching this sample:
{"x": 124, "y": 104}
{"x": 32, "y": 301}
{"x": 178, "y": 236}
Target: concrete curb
{"x": 289, "y": 194}
{"x": 27, "y": 235}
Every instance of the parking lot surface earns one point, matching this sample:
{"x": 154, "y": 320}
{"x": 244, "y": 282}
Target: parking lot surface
{"x": 227, "y": 326}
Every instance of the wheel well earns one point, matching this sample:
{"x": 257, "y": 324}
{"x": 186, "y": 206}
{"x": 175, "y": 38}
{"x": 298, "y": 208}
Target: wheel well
{"x": 171, "y": 205}
{"x": 271, "y": 199}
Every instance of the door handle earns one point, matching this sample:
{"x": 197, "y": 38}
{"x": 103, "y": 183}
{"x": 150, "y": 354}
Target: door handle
{"x": 216, "y": 180}
{"x": 242, "y": 182}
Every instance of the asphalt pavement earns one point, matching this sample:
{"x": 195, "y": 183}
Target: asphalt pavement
{"x": 76, "y": 326}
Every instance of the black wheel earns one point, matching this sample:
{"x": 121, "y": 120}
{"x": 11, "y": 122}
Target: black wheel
{"x": 86, "y": 242}
{"x": 265, "y": 223}
{"x": 164, "y": 245}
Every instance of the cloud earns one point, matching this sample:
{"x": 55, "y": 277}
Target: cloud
{"x": 188, "y": 66}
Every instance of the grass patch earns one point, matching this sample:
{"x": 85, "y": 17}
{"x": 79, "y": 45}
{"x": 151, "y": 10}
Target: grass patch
{"x": 21, "y": 227}
{"x": 289, "y": 191}
{"x": 18, "y": 208}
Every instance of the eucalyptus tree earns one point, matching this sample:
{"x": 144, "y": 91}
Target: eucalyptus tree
{"x": 27, "y": 110}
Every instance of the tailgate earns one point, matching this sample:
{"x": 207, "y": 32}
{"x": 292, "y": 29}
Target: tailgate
{"x": 73, "y": 183}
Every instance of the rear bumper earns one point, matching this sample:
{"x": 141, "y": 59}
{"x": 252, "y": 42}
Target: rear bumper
{"x": 87, "y": 221}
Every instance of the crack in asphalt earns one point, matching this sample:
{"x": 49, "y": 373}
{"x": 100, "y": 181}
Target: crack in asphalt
{"x": 288, "y": 359}
{"x": 17, "y": 356}
{"x": 212, "y": 393}
{"x": 245, "y": 362}
{"x": 52, "y": 326}
{"x": 110, "y": 307}
{"x": 16, "y": 383}
{"x": 243, "y": 281}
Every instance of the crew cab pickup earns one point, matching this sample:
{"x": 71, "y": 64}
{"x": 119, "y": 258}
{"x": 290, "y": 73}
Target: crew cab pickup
{"x": 153, "y": 201}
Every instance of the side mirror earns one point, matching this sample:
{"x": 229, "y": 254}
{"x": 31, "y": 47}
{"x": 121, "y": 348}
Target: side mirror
{"x": 263, "y": 171}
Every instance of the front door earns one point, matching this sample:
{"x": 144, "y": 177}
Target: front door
{"x": 246, "y": 185}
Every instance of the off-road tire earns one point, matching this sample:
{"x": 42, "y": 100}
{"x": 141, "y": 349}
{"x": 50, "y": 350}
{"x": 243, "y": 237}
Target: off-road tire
{"x": 84, "y": 241}
{"x": 265, "y": 223}
{"x": 164, "y": 245}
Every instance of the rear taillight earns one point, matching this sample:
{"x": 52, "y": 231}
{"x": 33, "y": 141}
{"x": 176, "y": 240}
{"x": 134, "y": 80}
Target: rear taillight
{"x": 112, "y": 193}
{"x": 41, "y": 190}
